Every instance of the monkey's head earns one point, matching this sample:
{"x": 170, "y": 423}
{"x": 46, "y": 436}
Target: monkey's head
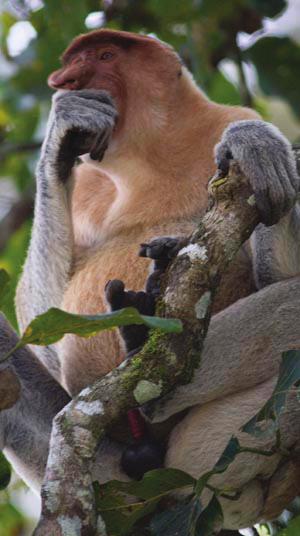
{"x": 138, "y": 71}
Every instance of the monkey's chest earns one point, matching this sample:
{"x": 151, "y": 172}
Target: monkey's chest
{"x": 85, "y": 293}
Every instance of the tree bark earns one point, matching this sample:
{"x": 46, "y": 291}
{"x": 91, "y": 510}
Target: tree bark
{"x": 166, "y": 361}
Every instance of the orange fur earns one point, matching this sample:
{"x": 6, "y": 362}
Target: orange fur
{"x": 151, "y": 182}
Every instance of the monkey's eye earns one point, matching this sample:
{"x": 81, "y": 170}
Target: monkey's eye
{"x": 106, "y": 55}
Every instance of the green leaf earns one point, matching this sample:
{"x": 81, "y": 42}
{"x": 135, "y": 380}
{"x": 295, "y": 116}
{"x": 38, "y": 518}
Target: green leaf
{"x": 210, "y": 519}
{"x": 231, "y": 450}
{"x": 154, "y": 484}
{"x": 51, "y": 326}
{"x": 277, "y": 60}
{"x": 179, "y": 521}
{"x": 12, "y": 521}
{"x": 119, "y": 515}
{"x": 289, "y": 374}
{"x": 293, "y": 528}
{"x": 5, "y": 472}
{"x": 4, "y": 280}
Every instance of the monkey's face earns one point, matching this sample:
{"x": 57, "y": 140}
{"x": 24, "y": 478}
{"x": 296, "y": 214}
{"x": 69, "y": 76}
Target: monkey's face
{"x": 129, "y": 66}
{"x": 91, "y": 68}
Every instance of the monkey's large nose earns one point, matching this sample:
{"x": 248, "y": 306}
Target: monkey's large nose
{"x": 63, "y": 79}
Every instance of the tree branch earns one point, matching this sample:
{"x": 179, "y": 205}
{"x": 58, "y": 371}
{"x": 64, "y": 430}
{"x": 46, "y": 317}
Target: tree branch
{"x": 167, "y": 360}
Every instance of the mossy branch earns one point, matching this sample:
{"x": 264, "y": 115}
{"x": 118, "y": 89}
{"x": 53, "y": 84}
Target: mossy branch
{"x": 166, "y": 361}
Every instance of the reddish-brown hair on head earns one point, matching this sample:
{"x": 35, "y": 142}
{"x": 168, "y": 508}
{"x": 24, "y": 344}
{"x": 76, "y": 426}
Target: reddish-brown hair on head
{"x": 98, "y": 37}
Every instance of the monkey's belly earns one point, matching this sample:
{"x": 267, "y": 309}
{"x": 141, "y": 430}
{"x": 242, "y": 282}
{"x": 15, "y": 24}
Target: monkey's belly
{"x": 96, "y": 356}
{"x": 118, "y": 259}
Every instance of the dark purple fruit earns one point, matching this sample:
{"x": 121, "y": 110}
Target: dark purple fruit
{"x": 141, "y": 457}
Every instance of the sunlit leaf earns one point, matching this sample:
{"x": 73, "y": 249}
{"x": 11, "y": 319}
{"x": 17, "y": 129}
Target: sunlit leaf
{"x": 51, "y": 326}
{"x": 293, "y": 528}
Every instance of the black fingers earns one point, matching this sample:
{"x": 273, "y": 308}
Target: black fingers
{"x": 162, "y": 250}
{"x": 134, "y": 336}
{"x": 114, "y": 293}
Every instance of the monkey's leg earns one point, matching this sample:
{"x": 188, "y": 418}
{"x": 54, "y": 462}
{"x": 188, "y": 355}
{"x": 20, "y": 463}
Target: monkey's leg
{"x": 198, "y": 441}
{"x": 243, "y": 348}
{"x": 25, "y": 428}
{"x": 276, "y": 249}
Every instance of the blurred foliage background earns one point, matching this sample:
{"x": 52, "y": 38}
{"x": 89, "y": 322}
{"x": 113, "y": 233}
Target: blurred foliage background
{"x": 240, "y": 51}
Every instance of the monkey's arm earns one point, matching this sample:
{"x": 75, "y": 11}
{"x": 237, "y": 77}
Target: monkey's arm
{"x": 266, "y": 158}
{"x": 79, "y": 122}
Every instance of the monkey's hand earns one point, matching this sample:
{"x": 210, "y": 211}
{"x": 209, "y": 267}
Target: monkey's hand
{"x": 265, "y": 156}
{"x": 80, "y": 122}
{"x": 162, "y": 250}
{"x": 117, "y": 297}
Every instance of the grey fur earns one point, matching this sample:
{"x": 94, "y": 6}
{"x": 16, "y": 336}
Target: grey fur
{"x": 48, "y": 264}
{"x": 26, "y": 427}
{"x": 266, "y": 158}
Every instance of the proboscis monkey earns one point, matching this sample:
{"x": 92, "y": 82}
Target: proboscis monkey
{"x": 151, "y": 139}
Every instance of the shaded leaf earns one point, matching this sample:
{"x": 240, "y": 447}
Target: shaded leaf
{"x": 5, "y": 472}
{"x": 4, "y": 280}
{"x": 229, "y": 454}
{"x": 277, "y": 61}
{"x": 210, "y": 519}
{"x": 289, "y": 374}
{"x": 179, "y": 521}
{"x": 119, "y": 515}
{"x": 231, "y": 450}
{"x": 154, "y": 484}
